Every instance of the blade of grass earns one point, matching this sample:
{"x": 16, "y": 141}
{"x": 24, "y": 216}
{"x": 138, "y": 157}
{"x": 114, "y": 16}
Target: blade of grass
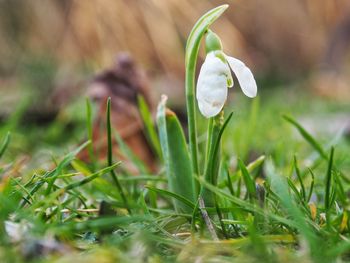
{"x": 297, "y": 171}
{"x": 250, "y": 184}
{"x": 150, "y": 130}
{"x": 251, "y": 167}
{"x": 307, "y": 136}
{"x": 52, "y": 176}
{"x": 5, "y": 144}
{"x": 81, "y": 167}
{"x": 311, "y": 186}
{"x": 89, "y": 129}
{"x": 341, "y": 194}
{"x": 173, "y": 195}
{"x": 294, "y": 189}
{"x": 110, "y": 153}
{"x": 229, "y": 183}
{"x": 328, "y": 181}
{"x": 128, "y": 153}
{"x": 91, "y": 177}
{"x": 219, "y": 214}
{"x": 99, "y": 224}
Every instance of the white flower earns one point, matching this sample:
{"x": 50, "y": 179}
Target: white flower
{"x": 214, "y": 79}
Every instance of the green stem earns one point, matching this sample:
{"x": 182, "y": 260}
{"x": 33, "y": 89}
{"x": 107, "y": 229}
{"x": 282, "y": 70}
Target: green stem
{"x": 192, "y": 48}
{"x": 209, "y": 136}
{"x": 191, "y": 114}
{"x": 213, "y": 157}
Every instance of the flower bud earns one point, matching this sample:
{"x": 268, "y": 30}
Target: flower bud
{"x": 212, "y": 42}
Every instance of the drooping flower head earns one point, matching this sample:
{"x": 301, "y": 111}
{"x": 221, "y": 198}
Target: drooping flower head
{"x": 215, "y": 77}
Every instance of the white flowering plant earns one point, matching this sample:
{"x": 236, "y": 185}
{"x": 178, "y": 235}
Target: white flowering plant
{"x": 210, "y": 95}
{"x": 193, "y": 175}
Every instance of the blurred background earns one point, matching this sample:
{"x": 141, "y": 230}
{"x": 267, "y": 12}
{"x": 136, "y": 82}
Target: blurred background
{"x": 51, "y": 52}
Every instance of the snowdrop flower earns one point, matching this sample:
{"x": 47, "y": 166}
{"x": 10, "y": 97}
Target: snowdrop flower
{"x": 215, "y": 77}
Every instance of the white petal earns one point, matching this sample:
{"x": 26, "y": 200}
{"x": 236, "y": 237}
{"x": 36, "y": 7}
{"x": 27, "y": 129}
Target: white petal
{"x": 244, "y": 75}
{"x": 212, "y": 86}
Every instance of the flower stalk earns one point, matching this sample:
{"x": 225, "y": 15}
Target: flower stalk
{"x": 192, "y": 48}
{"x": 213, "y": 157}
{"x": 212, "y": 89}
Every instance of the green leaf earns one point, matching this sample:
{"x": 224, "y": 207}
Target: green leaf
{"x": 90, "y": 130}
{"x": 100, "y": 223}
{"x": 110, "y": 153}
{"x": 53, "y": 175}
{"x": 307, "y": 136}
{"x": 251, "y": 167}
{"x": 297, "y": 171}
{"x": 249, "y": 182}
{"x": 175, "y": 155}
{"x": 5, "y": 144}
{"x": 81, "y": 167}
{"x": 180, "y": 198}
{"x": 130, "y": 155}
{"x": 311, "y": 185}
{"x": 211, "y": 171}
{"x": 199, "y": 29}
{"x": 150, "y": 131}
{"x": 328, "y": 186}
{"x": 91, "y": 177}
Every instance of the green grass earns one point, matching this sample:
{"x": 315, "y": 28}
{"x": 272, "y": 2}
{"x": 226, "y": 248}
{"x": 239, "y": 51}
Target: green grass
{"x": 281, "y": 193}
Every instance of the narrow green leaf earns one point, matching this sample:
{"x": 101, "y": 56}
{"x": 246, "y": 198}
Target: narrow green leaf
{"x": 101, "y": 223}
{"x": 249, "y": 182}
{"x": 52, "y": 175}
{"x": 251, "y": 167}
{"x": 229, "y": 183}
{"x": 90, "y": 130}
{"x": 307, "y": 136}
{"x": 150, "y": 130}
{"x": 202, "y": 25}
{"x": 81, "y": 167}
{"x": 341, "y": 193}
{"x": 211, "y": 171}
{"x": 219, "y": 214}
{"x": 297, "y": 171}
{"x": 5, "y": 144}
{"x": 328, "y": 191}
{"x": 163, "y": 134}
{"x": 91, "y": 177}
{"x": 180, "y": 198}
{"x": 294, "y": 189}
{"x": 129, "y": 154}
{"x": 311, "y": 186}
{"x": 110, "y": 153}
